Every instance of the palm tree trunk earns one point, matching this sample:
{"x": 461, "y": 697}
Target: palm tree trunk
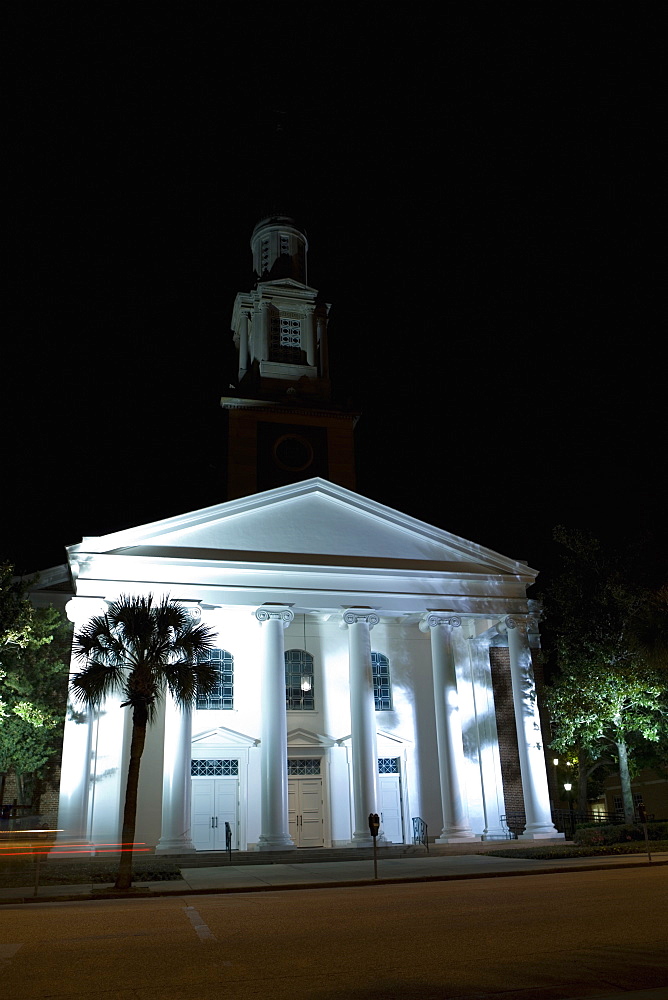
{"x": 625, "y": 779}
{"x": 139, "y": 722}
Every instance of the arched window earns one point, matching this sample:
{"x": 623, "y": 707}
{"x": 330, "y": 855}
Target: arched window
{"x": 299, "y": 694}
{"x": 382, "y": 689}
{"x": 222, "y": 696}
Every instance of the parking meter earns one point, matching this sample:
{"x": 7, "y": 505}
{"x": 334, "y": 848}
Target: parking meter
{"x": 374, "y": 824}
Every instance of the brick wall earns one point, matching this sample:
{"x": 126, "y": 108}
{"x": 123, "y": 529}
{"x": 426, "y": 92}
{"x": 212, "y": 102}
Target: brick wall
{"x": 499, "y": 657}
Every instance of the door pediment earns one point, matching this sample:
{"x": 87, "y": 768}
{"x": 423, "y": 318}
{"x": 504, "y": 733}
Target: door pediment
{"x": 222, "y": 737}
{"x": 305, "y": 739}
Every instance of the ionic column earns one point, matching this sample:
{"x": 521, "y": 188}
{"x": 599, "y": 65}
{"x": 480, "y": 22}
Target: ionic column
{"x": 360, "y": 621}
{"x": 539, "y": 824}
{"x": 175, "y": 837}
{"x": 262, "y": 348}
{"x": 275, "y": 833}
{"x": 456, "y": 826}
{"x": 243, "y": 344}
{"x": 309, "y": 322}
{"x": 322, "y": 343}
{"x": 75, "y": 773}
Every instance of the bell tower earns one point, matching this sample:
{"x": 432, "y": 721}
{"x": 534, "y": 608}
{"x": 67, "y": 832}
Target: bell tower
{"x": 283, "y": 424}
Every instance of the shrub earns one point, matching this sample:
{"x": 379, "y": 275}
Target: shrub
{"x": 597, "y": 836}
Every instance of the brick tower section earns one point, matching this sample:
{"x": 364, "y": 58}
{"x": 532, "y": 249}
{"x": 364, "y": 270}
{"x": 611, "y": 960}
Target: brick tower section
{"x": 505, "y": 720}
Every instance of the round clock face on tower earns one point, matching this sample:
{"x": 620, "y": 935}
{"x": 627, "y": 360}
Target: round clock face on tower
{"x": 292, "y": 452}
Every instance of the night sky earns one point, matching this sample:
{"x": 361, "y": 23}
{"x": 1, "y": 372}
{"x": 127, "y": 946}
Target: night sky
{"x": 484, "y": 208}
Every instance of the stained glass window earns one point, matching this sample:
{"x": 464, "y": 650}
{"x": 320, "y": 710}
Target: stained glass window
{"x": 299, "y": 693}
{"x": 382, "y": 690}
{"x": 222, "y": 696}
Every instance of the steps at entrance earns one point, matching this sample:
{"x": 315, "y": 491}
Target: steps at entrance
{"x": 314, "y": 855}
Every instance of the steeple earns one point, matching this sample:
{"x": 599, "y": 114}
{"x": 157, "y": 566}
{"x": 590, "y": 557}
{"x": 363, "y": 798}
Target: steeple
{"x": 280, "y": 327}
{"x": 280, "y": 335}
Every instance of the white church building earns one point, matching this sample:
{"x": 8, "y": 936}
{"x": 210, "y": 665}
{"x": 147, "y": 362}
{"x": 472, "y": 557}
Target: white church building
{"x": 358, "y": 648}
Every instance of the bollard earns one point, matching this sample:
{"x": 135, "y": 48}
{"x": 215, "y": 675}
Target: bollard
{"x": 374, "y": 827}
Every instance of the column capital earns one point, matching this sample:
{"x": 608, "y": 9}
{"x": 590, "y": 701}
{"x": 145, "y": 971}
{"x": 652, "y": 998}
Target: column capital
{"x": 523, "y": 623}
{"x": 80, "y": 609}
{"x": 353, "y": 616}
{"x": 435, "y": 618}
{"x": 274, "y": 612}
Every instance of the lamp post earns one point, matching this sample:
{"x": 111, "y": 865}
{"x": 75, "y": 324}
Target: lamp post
{"x": 569, "y": 795}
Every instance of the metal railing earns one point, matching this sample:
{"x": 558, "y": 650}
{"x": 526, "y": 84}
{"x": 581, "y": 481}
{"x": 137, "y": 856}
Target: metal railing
{"x": 420, "y": 832}
{"x": 565, "y": 820}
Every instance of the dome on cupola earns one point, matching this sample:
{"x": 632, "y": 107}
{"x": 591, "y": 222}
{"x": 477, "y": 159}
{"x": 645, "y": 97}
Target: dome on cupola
{"x": 279, "y": 249}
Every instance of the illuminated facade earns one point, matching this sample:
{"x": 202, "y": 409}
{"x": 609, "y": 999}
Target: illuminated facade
{"x": 353, "y": 641}
{"x": 355, "y": 677}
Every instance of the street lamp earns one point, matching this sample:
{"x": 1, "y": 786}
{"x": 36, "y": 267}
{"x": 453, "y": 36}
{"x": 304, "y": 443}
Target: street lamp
{"x": 569, "y": 794}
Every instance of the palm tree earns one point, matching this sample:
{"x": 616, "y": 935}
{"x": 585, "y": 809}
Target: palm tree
{"x": 139, "y": 648}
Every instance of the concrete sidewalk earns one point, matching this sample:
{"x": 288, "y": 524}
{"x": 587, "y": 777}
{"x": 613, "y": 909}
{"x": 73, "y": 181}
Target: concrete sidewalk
{"x": 319, "y": 874}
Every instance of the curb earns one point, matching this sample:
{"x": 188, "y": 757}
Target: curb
{"x": 293, "y": 887}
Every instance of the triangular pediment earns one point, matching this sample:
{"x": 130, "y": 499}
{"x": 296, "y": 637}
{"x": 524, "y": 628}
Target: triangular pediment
{"x": 305, "y": 738}
{"x": 222, "y": 737}
{"x": 386, "y": 743}
{"x": 276, "y": 284}
{"x": 314, "y": 522}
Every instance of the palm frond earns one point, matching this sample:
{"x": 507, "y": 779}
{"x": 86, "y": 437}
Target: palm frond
{"x": 96, "y": 682}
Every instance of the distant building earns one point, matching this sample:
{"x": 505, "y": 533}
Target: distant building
{"x": 368, "y": 662}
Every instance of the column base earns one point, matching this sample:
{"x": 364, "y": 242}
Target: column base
{"x": 542, "y": 835}
{"x": 363, "y": 839}
{"x": 275, "y": 843}
{"x": 459, "y": 838}
{"x": 175, "y": 845}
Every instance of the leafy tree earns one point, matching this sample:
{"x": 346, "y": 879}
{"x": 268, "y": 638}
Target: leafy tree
{"x": 609, "y": 697}
{"x": 34, "y": 654}
{"x": 139, "y": 649}
{"x": 15, "y": 609}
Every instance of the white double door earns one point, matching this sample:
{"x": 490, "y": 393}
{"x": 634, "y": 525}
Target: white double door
{"x": 305, "y": 812}
{"x": 391, "y": 807}
{"x": 215, "y": 801}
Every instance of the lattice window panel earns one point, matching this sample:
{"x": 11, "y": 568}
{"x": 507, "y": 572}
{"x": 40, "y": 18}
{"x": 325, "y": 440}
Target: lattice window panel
{"x": 285, "y": 339}
{"x": 222, "y": 696}
{"x": 382, "y": 688}
{"x": 299, "y": 682}
{"x": 388, "y": 765}
{"x": 285, "y": 245}
{"x": 216, "y": 768}
{"x": 303, "y": 765}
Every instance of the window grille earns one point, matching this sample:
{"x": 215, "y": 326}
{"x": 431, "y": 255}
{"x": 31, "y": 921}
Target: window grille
{"x": 217, "y": 768}
{"x": 285, "y": 244}
{"x": 222, "y": 696}
{"x": 299, "y": 693}
{"x": 285, "y": 339}
{"x": 382, "y": 689}
{"x": 303, "y": 765}
{"x": 388, "y": 765}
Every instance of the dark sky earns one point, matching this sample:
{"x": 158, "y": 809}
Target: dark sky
{"x": 484, "y": 207}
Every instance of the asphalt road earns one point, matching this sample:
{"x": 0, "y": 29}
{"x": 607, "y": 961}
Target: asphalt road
{"x": 536, "y": 938}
